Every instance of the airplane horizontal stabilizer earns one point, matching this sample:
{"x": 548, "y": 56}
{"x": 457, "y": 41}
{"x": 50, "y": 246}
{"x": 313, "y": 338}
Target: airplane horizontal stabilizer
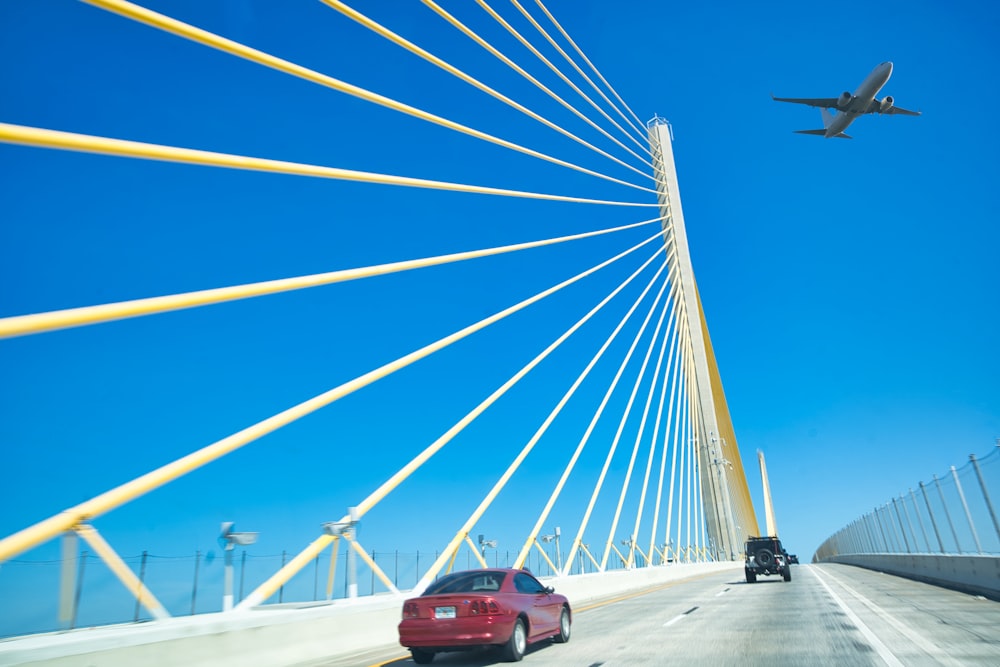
{"x": 894, "y": 109}
{"x": 822, "y": 133}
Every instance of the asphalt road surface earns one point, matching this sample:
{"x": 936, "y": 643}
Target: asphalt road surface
{"x": 827, "y": 615}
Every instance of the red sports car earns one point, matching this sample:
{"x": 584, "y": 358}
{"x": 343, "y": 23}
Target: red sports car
{"x": 502, "y": 607}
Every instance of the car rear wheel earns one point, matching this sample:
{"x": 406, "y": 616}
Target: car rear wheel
{"x": 787, "y": 573}
{"x": 513, "y": 650}
{"x": 422, "y": 657}
{"x": 563, "y": 635}
{"x": 751, "y": 577}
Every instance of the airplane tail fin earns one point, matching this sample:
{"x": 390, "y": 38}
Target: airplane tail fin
{"x": 827, "y": 117}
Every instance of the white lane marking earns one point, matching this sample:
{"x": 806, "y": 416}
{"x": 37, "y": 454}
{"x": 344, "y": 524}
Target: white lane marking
{"x": 876, "y": 643}
{"x": 677, "y": 618}
{"x": 722, "y": 592}
{"x": 930, "y": 649}
{"x": 673, "y": 620}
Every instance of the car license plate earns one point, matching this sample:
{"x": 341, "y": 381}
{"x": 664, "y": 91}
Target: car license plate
{"x": 444, "y": 612}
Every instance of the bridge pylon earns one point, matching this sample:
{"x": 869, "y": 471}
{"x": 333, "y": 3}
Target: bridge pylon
{"x": 729, "y": 514}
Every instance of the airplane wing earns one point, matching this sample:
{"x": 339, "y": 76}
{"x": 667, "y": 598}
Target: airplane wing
{"x": 895, "y": 109}
{"x": 825, "y": 102}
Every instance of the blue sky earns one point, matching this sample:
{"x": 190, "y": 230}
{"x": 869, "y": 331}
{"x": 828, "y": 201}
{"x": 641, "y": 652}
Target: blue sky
{"x": 850, "y": 286}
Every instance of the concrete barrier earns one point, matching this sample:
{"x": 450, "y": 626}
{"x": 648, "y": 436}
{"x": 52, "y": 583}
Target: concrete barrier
{"x": 975, "y": 574}
{"x": 290, "y": 635}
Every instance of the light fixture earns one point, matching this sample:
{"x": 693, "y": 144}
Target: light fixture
{"x": 229, "y": 538}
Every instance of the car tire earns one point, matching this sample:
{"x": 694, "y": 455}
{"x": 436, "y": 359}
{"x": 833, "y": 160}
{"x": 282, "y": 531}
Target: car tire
{"x": 513, "y": 650}
{"x": 421, "y": 657}
{"x": 751, "y": 577}
{"x": 564, "y": 627}
{"x": 764, "y": 558}
{"x": 787, "y": 573}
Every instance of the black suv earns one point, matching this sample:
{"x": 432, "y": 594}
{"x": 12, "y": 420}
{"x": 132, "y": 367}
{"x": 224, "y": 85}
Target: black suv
{"x": 765, "y": 555}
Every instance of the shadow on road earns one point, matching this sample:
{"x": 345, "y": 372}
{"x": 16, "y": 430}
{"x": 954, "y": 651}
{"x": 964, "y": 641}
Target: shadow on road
{"x": 482, "y": 657}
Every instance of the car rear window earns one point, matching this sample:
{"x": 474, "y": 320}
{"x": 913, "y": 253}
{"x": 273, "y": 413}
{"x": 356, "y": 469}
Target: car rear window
{"x": 467, "y": 582}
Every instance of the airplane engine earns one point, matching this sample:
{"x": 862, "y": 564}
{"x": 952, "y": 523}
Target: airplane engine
{"x": 844, "y": 99}
{"x": 885, "y": 104}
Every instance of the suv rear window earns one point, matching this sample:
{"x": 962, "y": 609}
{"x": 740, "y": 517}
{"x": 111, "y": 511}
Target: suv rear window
{"x": 754, "y": 545}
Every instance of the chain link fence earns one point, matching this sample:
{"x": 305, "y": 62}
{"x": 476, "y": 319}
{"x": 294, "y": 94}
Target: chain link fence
{"x": 953, "y": 513}
{"x": 193, "y": 584}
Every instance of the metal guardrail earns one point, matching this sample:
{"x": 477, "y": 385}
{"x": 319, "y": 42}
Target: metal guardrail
{"x": 952, "y": 514}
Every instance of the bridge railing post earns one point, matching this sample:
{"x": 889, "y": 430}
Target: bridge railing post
{"x": 79, "y": 588}
{"x": 909, "y": 524}
{"x": 194, "y": 586}
{"x": 891, "y": 529}
{"x": 930, "y": 513}
{"x": 872, "y": 535}
{"x": 920, "y": 521}
{"x": 67, "y": 581}
{"x": 968, "y": 514}
{"x": 890, "y": 542}
{"x": 986, "y": 494}
{"x": 859, "y": 536}
{"x": 947, "y": 515}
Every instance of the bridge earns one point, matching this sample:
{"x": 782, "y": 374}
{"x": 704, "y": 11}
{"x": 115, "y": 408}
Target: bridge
{"x": 500, "y": 360}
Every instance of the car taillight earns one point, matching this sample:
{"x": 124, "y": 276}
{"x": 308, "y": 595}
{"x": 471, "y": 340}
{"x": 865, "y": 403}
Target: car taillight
{"x": 410, "y": 610}
{"x": 477, "y": 607}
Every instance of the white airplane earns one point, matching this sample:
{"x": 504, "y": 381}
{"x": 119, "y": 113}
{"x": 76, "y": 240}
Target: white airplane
{"x": 849, "y": 107}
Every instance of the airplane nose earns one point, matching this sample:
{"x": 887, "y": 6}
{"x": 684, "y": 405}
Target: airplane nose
{"x": 887, "y": 67}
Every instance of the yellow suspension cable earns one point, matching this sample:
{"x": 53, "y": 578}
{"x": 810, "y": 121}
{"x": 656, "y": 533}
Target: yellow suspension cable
{"x": 638, "y": 438}
{"x": 586, "y": 59}
{"x": 538, "y": 54}
{"x": 22, "y": 325}
{"x": 55, "y": 525}
{"x": 543, "y": 516}
{"x": 678, "y": 437}
{"x": 611, "y": 450}
{"x": 117, "y": 566}
{"x": 279, "y": 578}
{"x": 552, "y": 566}
{"x": 370, "y": 562}
{"x": 671, "y": 329}
{"x": 401, "y": 475}
{"x": 673, "y": 362}
{"x": 572, "y": 62}
{"x": 167, "y": 24}
{"x": 475, "y": 550}
{"x": 380, "y": 493}
{"x": 468, "y": 32}
{"x": 32, "y": 136}
{"x": 522, "y": 455}
{"x": 393, "y": 37}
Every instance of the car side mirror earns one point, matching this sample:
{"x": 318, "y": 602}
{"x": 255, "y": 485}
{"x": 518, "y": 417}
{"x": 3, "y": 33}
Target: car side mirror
{"x": 549, "y": 590}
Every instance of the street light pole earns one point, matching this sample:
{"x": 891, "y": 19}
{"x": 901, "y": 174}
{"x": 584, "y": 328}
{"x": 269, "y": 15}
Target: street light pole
{"x": 558, "y": 552}
{"x": 229, "y": 539}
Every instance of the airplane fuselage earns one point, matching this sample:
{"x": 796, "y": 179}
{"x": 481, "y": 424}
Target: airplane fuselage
{"x": 861, "y": 101}
{"x": 847, "y": 107}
